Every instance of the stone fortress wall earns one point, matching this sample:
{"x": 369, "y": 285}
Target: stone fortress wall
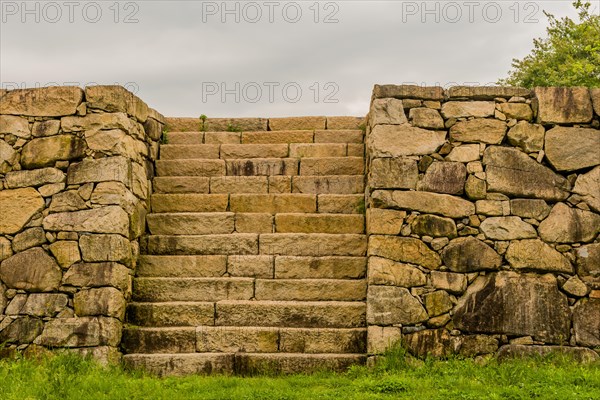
{"x": 483, "y": 216}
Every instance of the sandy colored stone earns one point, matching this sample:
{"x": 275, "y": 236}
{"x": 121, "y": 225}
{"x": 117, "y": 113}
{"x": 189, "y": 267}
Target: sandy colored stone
{"x": 211, "y": 339}
{"x": 586, "y": 323}
{"x": 384, "y": 222}
{"x": 529, "y": 137}
{"x": 464, "y": 153}
{"x": 98, "y": 275}
{"x": 475, "y": 188}
{"x": 280, "y": 136}
{"x": 315, "y": 341}
{"x": 426, "y": 118}
{"x": 437, "y": 303}
{"x": 280, "y": 184}
{"x": 444, "y": 177}
{"x": 382, "y": 338}
{"x": 238, "y": 243}
{"x": 296, "y": 123}
{"x": 65, "y": 252}
{"x": 563, "y": 105}
{"x": 476, "y": 345}
{"x": 81, "y": 332}
{"x": 67, "y": 201}
{"x": 341, "y": 203}
{"x": 344, "y": 122}
{"x": 313, "y": 244}
{"x": 403, "y": 249}
{"x": 310, "y": 290}
{"x": 516, "y": 351}
{"x": 432, "y": 343}
{"x": 261, "y": 166}
{"x": 29, "y": 238}
{"x": 18, "y": 206}
{"x": 300, "y": 150}
{"x": 403, "y": 140}
{"x": 409, "y": 92}
{"x": 44, "y": 304}
{"x": 254, "y": 223}
{"x": 114, "y": 193}
{"x": 327, "y": 267}
{"x": 425, "y": 202}
{"x": 390, "y": 273}
{"x": 340, "y": 135}
{"x": 51, "y": 101}
{"x": 569, "y": 225}
{"x": 106, "y": 301}
{"x": 192, "y": 289}
{"x": 13, "y": 125}
{"x": 533, "y": 254}
{"x": 45, "y": 128}
{"x": 588, "y": 263}
{"x": 479, "y": 130}
{"x": 44, "y": 152}
{"x": 182, "y": 266}
{"x": 171, "y": 314}
{"x": 570, "y": 149}
{"x": 529, "y": 208}
{"x": 115, "y": 142}
{"x": 468, "y": 254}
{"x": 387, "y": 111}
{"x": 32, "y": 270}
{"x": 272, "y": 203}
{"x": 100, "y": 170}
{"x": 181, "y": 339}
{"x": 5, "y": 250}
{"x": 115, "y": 98}
{"x": 389, "y": 305}
{"x": 332, "y": 166}
{"x": 181, "y": 184}
{"x": 487, "y": 92}
{"x": 432, "y": 225}
{"x": 319, "y": 223}
{"x": 22, "y": 330}
{"x": 575, "y": 287}
{"x": 208, "y": 167}
{"x": 36, "y": 177}
{"x": 588, "y": 187}
{"x": 518, "y": 111}
{"x": 449, "y": 281}
{"x": 7, "y": 153}
{"x": 393, "y": 173}
{"x": 95, "y": 248}
{"x": 250, "y": 266}
{"x": 336, "y": 184}
{"x": 190, "y": 223}
{"x": 463, "y": 109}
{"x": 189, "y": 202}
{"x": 111, "y": 219}
{"x": 250, "y": 151}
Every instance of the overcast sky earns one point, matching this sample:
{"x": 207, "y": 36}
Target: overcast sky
{"x": 280, "y": 58}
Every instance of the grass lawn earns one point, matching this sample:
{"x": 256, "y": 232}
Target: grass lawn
{"x": 69, "y": 377}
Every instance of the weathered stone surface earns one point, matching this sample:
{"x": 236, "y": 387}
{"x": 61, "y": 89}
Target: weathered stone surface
{"x": 514, "y": 173}
{"x": 51, "y": 189}
{"x": 586, "y": 323}
{"x": 463, "y": 109}
{"x": 96, "y": 248}
{"x": 295, "y": 123}
{"x": 239, "y": 167}
{"x": 254, "y": 223}
{"x": 337, "y": 184}
{"x": 393, "y": 173}
{"x": 387, "y": 272}
{"x": 339, "y": 341}
{"x": 595, "y": 95}
{"x": 319, "y": 223}
{"x": 313, "y": 244}
{"x": 444, "y": 177}
{"x": 425, "y": 202}
{"x": 465, "y": 153}
{"x": 507, "y": 228}
{"x": 387, "y": 111}
{"x": 570, "y": 149}
{"x": 272, "y": 203}
{"x": 250, "y": 266}
{"x": 235, "y": 339}
{"x": 190, "y": 224}
{"x": 45, "y": 128}
{"x": 476, "y": 345}
{"x": 98, "y": 275}
{"x": 100, "y": 170}
{"x": 529, "y": 137}
{"x": 435, "y": 343}
{"x": 432, "y": 225}
{"x": 426, "y": 118}
{"x": 449, "y": 281}
{"x": 382, "y": 338}
{"x": 36, "y": 177}
{"x": 44, "y": 304}
{"x": 438, "y": 303}
{"x": 32, "y": 270}
{"x": 114, "y": 193}
{"x": 114, "y": 98}
{"x": 116, "y": 142}
{"x": 389, "y": 305}
{"x": 569, "y": 225}
{"x": 18, "y": 206}
{"x": 588, "y": 187}
{"x": 80, "y": 332}
{"x": 331, "y": 166}
{"x": 7, "y": 153}
{"x": 479, "y": 130}
{"x": 468, "y": 254}
{"x": 106, "y": 301}
{"x": 562, "y": 105}
{"x": 408, "y": 92}
{"x": 475, "y": 188}
{"x": 44, "y": 152}
{"x": 29, "y": 238}
{"x": 111, "y": 219}
{"x": 238, "y": 243}
{"x": 17, "y": 126}
{"x": 5, "y": 249}
{"x": 579, "y": 354}
{"x": 52, "y": 101}
{"x": 588, "y": 263}
{"x": 530, "y": 208}
{"x": 487, "y": 92}
{"x": 159, "y": 340}
{"x": 515, "y": 304}
{"x": 22, "y": 330}
{"x": 309, "y": 290}
{"x": 403, "y": 140}
{"x": 272, "y": 137}
{"x": 384, "y": 222}
{"x": 343, "y": 122}
{"x": 66, "y": 252}
{"x": 102, "y": 121}
{"x": 533, "y": 254}
{"x": 575, "y": 287}
{"x": 518, "y": 111}
{"x": 341, "y": 203}
{"x": 67, "y": 201}
{"x": 403, "y": 249}
{"x": 327, "y": 267}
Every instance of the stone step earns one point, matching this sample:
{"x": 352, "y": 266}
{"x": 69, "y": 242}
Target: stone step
{"x": 172, "y": 313}
{"x": 187, "y": 138}
{"x": 243, "y": 151}
{"x": 191, "y": 223}
{"x": 273, "y": 203}
{"x": 310, "y": 290}
{"x": 332, "y": 166}
{"x": 196, "y": 167}
{"x": 236, "y": 243}
{"x": 181, "y": 184}
{"x": 313, "y": 244}
{"x": 339, "y": 136}
{"x": 182, "y": 266}
{"x": 186, "y": 151}
{"x": 291, "y": 314}
{"x": 241, "y": 364}
{"x": 319, "y": 223}
{"x": 328, "y": 267}
{"x": 331, "y": 184}
{"x": 181, "y": 364}
{"x": 189, "y": 202}
{"x": 302, "y": 150}
{"x": 220, "y": 339}
{"x": 341, "y": 203}
{"x": 281, "y": 136}
{"x": 261, "y": 166}
{"x": 192, "y": 289}
{"x": 240, "y": 184}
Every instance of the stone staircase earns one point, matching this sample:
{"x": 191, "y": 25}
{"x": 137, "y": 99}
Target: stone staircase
{"x": 255, "y": 259}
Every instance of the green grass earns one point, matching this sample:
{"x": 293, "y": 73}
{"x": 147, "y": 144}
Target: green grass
{"x": 70, "y": 377}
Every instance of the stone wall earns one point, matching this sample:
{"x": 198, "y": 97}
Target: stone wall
{"x": 483, "y": 216}
{"x": 74, "y": 189}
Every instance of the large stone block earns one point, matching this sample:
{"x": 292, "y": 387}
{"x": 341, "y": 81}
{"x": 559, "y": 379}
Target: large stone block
{"x": 110, "y": 219}
{"x": 390, "y": 273}
{"x": 536, "y": 255}
{"x": 507, "y": 228}
{"x": 29, "y": 238}
{"x": 48, "y": 127}
{"x": 43, "y": 304}
{"x": 518, "y": 111}
{"x": 521, "y": 305}
{"x": 586, "y": 323}
{"x": 32, "y": 270}
{"x": 36, "y": 177}
{"x": 272, "y": 203}
{"x": 272, "y": 137}
{"x": 570, "y": 149}
{"x": 81, "y": 332}
{"x": 216, "y": 339}
{"x": 296, "y": 123}
{"x": 425, "y": 202}
{"x": 106, "y": 169}
{"x": 487, "y": 92}
{"x": 449, "y": 281}
{"x": 18, "y": 206}
{"x": 253, "y": 167}
{"x": 403, "y": 249}
{"x": 310, "y": 290}
{"x": 588, "y": 264}
{"x": 427, "y": 118}
{"x": 479, "y": 130}
{"x": 563, "y": 105}
{"x": 317, "y": 341}
{"x": 530, "y": 208}
{"x": 464, "y": 109}
{"x": 98, "y": 275}
{"x": 403, "y": 140}
{"x": 390, "y": 305}
{"x": 468, "y": 254}
{"x": 514, "y": 173}
{"x": 382, "y": 338}
{"x": 529, "y": 137}
{"x": 106, "y": 301}
{"x": 114, "y": 98}
{"x": 336, "y": 123}
{"x": 52, "y": 101}
{"x": 393, "y": 173}
{"x": 44, "y": 152}
{"x": 17, "y": 126}
{"x": 569, "y": 225}
{"x": 384, "y": 222}
{"x": 319, "y": 223}
{"x": 588, "y": 187}
{"x": 387, "y": 111}
{"x": 444, "y": 177}
{"x": 432, "y": 225}
{"x": 433, "y": 343}
{"x": 409, "y": 92}
{"x": 22, "y": 330}
{"x": 332, "y": 166}
{"x": 116, "y": 142}
{"x": 98, "y": 248}
{"x": 7, "y": 153}
{"x": 313, "y": 244}
{"x": 96, "y": 122}
{"x": 327, "y": 267}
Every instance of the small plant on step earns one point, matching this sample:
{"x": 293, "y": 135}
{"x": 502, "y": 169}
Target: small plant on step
{"x": 363, "y": 128}
{"x": 203, "y": 122}
{"x": 164, "y": 139}
{"x": 233, "y": 128}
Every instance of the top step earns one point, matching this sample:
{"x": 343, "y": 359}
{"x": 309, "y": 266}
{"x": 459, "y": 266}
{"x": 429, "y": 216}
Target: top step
{"x": 265, "y": 137}
{"x": 262, "y": 124}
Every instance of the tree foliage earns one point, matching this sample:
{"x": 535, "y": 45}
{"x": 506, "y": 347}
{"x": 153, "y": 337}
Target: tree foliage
{"x": 569, "y": 56}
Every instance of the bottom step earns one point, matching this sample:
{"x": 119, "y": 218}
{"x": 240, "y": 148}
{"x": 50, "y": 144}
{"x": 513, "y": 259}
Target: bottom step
{"x": 240, "y": 363}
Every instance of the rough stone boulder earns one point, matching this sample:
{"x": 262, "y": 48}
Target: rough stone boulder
{"x": 570, "y": 149}
{"x": 535, "y": 255}
{"x": 507, "y": 228}
{"x": 393, "y": 173}
{"x": 408, "y": 250}
{"x": 487, "y": 92}
{"x": 387, "y": 111}
{"x": 529, "y": 137}
{"x": 588, "y": 187}
{"x": 468, "y": 254}
{"x": 569, "y": 225}
{"x": 586, "y": 323}
{"x": 515, "y": 304}
{"x": 477, "y": 130}
{"x": 389, "y": 305}
{"x": 432, "y": 225}
{"x": 110, "y": 219}
{"x": 17, "y": 126}
{"x": 18, "y": 206}
{"x": 464, "y": 109}
{"x": 444, "y": 177}
{"x": 52, "y": 101}
{"x": 425, "y": 202}
{"x": 403, "y": 140}
{"x": 114, "y": 98}
{"x": 409, "y": 92}
{"x": 562, "y": 105}
{"x": 435, "y": 343}
{"x": 32, "y": 270}
{"x": 387, "y": 272}
{"x": 44, "y": 152}
{"x": 514, "y": 173}
{"x": 588, "y": 264}
{"x": 35, "y": 177}
{"x": 81, "y": 332}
